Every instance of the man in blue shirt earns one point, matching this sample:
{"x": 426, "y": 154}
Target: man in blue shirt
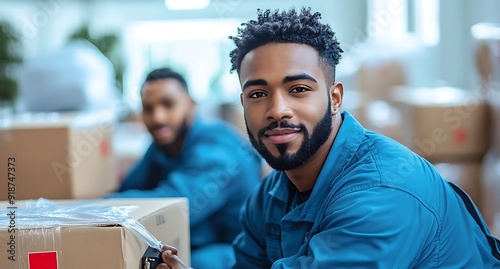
{"x": 341, "y": 196}
{"x": 207, "y": 161}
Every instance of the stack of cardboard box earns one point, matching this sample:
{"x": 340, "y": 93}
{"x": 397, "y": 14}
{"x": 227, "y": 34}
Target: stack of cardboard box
{"x": 449, "y": 127}
{"x": 369, "y": 101}
{"x": 58, "y": 155}
{"x": 491, "y": 167}
{"x": 487, "y": 53}
{"x": 487, "y": 59}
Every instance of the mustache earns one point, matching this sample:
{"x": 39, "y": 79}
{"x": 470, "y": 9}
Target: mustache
{"x": 276, "y": 124}
{"x": 159, "y": 126}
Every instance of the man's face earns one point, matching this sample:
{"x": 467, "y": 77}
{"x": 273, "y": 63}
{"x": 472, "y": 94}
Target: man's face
{"x": 167, "y": 110}
{"x": 286, "y": 103}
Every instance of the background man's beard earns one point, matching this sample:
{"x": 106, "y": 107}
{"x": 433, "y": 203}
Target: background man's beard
{"x": 179, "y": 135}
{"x": 310, "y": 144}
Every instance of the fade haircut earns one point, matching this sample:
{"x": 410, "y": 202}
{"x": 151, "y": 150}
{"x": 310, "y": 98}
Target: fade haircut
{"x": 288, "y": 27}
{"x": 165, "y": 73}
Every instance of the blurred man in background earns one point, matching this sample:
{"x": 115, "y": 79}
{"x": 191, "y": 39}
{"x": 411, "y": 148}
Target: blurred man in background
{"x": 207, "y": 161}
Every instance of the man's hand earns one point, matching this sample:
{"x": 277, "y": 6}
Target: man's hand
{"x": 170, "y": 259}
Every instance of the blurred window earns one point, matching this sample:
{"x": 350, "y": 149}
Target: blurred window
{"x": 198, "y": 49}
{"x": 390, "y": 19}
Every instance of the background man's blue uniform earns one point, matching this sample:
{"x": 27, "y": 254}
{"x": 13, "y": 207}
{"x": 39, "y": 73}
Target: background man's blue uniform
{"x": 216, "y": 170}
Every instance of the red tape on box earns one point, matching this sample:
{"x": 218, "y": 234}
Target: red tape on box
{"x": 43, "y": 260}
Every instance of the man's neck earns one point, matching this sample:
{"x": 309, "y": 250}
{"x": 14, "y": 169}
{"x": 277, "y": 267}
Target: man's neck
{"x": 304, "y": 177}
{"x": 174, "y": 149}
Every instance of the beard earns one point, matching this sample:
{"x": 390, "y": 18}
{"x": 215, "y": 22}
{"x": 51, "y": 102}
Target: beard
{"x": 310, "y": 144}
{"x": 180, "y": 133}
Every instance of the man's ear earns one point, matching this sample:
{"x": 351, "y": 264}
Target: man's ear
{"x": 336, "y": 95}
{"x": 192, "y": 110}
{"x": 241, "y": 99}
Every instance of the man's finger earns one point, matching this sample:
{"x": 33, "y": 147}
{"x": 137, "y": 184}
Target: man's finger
{"x": 173, "y": 260}
{"x": 163, "y": 266}
{"x": 167, "y": 247}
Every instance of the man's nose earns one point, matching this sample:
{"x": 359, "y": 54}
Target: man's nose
{"x": 279, "y": 108}
{"x": 160, "y": 115}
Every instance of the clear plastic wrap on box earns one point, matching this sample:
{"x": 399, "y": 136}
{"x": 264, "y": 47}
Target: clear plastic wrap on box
{"x": 42, "y": 219}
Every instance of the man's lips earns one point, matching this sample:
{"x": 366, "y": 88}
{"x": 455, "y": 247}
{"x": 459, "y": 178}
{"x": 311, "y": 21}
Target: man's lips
{"x": 162, "y": 132}
{"x": 282, "y": 135}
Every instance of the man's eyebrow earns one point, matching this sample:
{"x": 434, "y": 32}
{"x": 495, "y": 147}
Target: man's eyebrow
{"x": 298, "y": 77}
{"x": 255, "y": 82}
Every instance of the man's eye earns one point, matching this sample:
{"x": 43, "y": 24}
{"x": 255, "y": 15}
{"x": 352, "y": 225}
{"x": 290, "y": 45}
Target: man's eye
{"x": 299, "y": 89}
{"x": 256, "y": 95}
{"x": 147, "y": 109}
{"x": 168, "y": 104}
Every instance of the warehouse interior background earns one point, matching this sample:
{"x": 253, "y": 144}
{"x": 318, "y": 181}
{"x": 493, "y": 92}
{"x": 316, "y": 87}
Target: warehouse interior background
{"x": 150, "y": 34}
{"x": 450, "y": 49}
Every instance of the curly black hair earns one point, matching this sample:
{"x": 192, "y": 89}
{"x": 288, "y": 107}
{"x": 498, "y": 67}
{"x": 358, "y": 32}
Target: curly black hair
{"x": 288, "y": 27}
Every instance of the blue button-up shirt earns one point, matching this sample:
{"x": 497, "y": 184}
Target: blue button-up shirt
{"x": 375, "y": 204}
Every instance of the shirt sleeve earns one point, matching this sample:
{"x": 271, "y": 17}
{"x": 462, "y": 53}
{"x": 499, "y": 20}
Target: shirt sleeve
{"x": 207, "y": 177}
{"x": 249, "y": 245}
{"x": 374, "y": 228}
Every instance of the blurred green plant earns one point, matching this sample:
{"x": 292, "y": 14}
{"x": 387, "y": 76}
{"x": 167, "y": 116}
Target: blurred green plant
{"x": 108, "y": 44}
{"x": 9, "y": 59}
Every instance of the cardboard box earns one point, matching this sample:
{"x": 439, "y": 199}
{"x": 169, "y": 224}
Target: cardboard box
{"x": 58, "y": 155}
{"x": 376, "y": 115}
{"x": 83, "y": 243}
{"x": 467, "y": 175}
{"x": 377, "y": 78}
{"x": 491, "y": 191}
{"x": 487, "y": 53}
{"x": 443, "y": 124}
{"x": 494, "y": 102}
